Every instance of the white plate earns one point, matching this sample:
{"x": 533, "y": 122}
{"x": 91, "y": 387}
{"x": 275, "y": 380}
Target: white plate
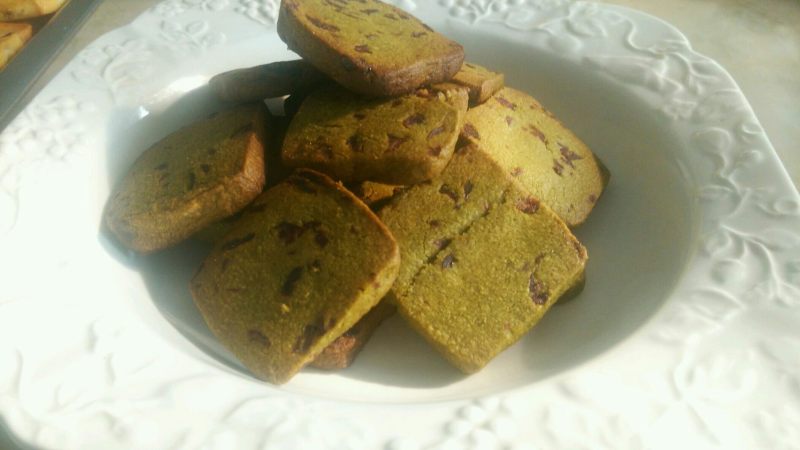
{"x": 686, "y": 335}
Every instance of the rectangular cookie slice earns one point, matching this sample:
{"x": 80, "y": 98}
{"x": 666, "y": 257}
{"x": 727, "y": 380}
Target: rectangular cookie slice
{"x": 192, "y": 178}
{"x": 13, "y": 37}
{"x": 306, "y": 261}
{"x": 352, "y": 138}
{"x": 539, "y": 152}
{"x": 368, "y": 47}
{"x": 481, "y": 82}
{"x": 26, "y": 9}
{"x": 276, "y": 174}
{"x": 494, "y": 281}
{"x": 436, "y": 225}
{"x": 343, "y": 351}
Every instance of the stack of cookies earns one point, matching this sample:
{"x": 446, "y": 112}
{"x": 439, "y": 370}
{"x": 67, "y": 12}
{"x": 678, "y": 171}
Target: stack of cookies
{"x": 398, "y": 179}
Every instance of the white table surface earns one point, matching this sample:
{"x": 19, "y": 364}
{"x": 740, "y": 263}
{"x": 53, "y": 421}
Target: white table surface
{"x": 757, "y": 41}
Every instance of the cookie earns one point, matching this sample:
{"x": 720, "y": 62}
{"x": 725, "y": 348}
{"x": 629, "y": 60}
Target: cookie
{"x": 481, "y": 82}
{"x": 454, "y": 94}
{"x": 265, "y": 81}
{"x": 375, "y": 195}
{"x": 300, "y": 268}
{"x": 486, "y": 289}
{"x": 482, "y": 259}
{"x": 426, "y": 217}
{"x": 213, "y": 233}
{"x": 26, "y": 9}
{"x": 277, "y": 173}
{"x": 352, "y": 138}
{"x": 194, "y": 177}
{"x": 13, "y": 37}
{"x": 539, "y": 152}
{"x": 369, "y": 47}
{"x": 574, "y": 291}
{"x": 341, "y": 353}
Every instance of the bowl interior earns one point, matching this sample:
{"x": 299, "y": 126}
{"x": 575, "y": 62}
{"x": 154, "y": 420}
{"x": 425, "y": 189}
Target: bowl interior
{"x": 638, "y": 239}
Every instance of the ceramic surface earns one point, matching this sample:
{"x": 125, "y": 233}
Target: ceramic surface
{"x": 686, "y": 335}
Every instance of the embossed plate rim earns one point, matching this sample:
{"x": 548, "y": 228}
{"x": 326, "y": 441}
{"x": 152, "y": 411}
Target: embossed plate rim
{"x": 718, "y": 373}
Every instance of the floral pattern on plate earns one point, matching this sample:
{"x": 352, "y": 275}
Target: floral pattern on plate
{"x": 79, "y": 369}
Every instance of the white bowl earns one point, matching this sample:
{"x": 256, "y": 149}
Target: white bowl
{"x": 684, "y": 334}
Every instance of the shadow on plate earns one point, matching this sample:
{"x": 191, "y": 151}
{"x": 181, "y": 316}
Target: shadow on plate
{"x": 397, "y": 356}
{"x": 8, "y": 441}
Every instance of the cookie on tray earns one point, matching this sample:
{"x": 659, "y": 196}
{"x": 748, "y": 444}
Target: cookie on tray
{"x": 426, "y": 217}
{"x": 13, "y": 37}
{"x": 26, "y": 9}
{"x": 539, "y": 152}
{"x": 496, "y": 280}
{"x": 375, "y": 195}
{"x": 352, "y": 138}
{"x": 369, "y": 47}
{"x": 303, "y": 265}
{"x": 192, "y": 178}
{"x": 453, "y": 93}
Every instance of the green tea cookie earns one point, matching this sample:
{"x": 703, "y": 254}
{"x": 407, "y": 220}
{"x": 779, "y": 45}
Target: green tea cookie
{"x": 481, "y": 82}
{"x": 265, "y": 81}
{"x": 486, "y": 289}
{"x": 306, "y": 261}
{"x": 13, "y": 36}
{"x": 440, "y": 227}
{"x": 426, "y": 217}
{"x": 343, "y": 351}
{"x": 539, "y": 151}
{"x": 574, "y": 291}
{"x": 368, "y": 46}
{"x": 375, "y": 195}
{"x": 214, "y": 232}
{"x": 277, "y": 173}
{"x": 194, "y": 177}
{"x": 352, "y": 138}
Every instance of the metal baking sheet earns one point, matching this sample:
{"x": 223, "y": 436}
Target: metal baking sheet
{"x": 26, "y": 67}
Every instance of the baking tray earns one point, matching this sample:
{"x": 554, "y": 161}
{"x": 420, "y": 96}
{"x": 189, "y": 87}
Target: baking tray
{"x": 27, "y": 66}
